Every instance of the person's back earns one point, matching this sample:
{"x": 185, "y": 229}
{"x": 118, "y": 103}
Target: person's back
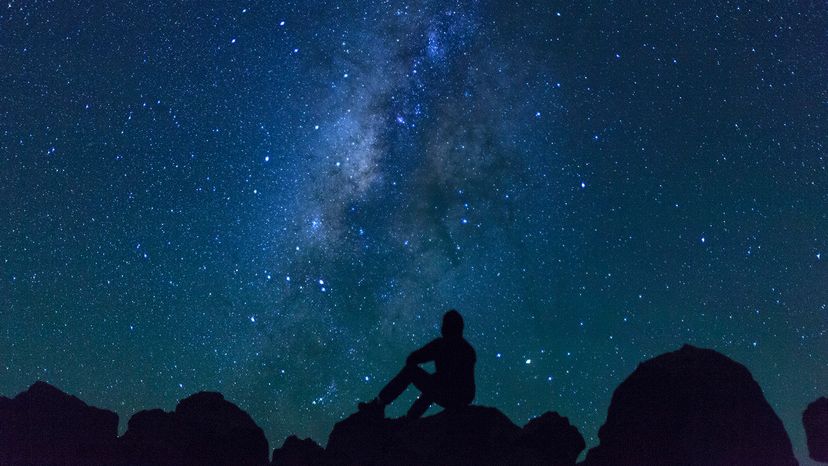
{"x": 454, "y": 363}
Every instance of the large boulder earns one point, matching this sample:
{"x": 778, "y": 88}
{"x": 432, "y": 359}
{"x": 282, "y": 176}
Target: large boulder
{"x": 550, "y": 440}
{"x": 296, "y": 452}
{"x": 692, "y": 406}
{"x": 361, "y": 437}
{"x": 152, "y": 437}
{"x": 205, "y": 429}
{"x": 815, "y": 421}
{"x": 471, "y": 435}
{"x": 44, "y": 425}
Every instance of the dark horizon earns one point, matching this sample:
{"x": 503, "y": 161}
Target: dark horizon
{"x": 278, "y": 201}
{"x": 690, "y": 406}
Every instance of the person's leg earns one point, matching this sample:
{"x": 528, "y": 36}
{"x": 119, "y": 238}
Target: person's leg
{"x": 408, "y": 375}
{"x": 427, "y": 385}
{"x": 419, "y": 407}
{"x": 425, "y": 382}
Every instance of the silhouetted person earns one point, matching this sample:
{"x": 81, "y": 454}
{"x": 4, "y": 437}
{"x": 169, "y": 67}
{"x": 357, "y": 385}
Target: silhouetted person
{"x": 452, "y": 384}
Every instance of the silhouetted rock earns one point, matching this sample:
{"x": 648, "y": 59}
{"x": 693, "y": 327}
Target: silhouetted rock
{"x": 470, "y": 435}
{"x": 548, "y": 439}
{"x": 44, "y": 425}
{"x": 205, "y": 429}
{"x": 152, "y": 437}
{"x": 296, "y": 452}
{"x": 221, "y": 432}
{"x": 815, "y": 420}
{"x": 692, "y": 406}
{"x": 359, "y": 437}
{"x": 689, "y": 407}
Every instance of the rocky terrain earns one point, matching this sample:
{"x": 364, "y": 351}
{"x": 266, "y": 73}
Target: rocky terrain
{"x": 692, "y": 406}
{"x": 688, "y": 407}
{"x": 815, "y": 421}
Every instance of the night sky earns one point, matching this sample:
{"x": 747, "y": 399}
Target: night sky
{"x": 279, "y": 200}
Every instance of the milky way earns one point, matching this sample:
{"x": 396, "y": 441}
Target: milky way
{"x": 279, "y": 200}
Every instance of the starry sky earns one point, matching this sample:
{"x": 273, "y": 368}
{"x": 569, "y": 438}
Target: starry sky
{"x": 279, "y": 200}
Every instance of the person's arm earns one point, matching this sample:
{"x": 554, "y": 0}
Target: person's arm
{"x": 425, "y": 354}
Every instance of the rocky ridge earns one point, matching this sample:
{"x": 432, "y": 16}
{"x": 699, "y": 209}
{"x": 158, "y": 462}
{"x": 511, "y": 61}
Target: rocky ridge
{"x": 691, "y": 406}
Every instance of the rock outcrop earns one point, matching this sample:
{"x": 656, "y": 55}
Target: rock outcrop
{"x": 691, "y": 406}
{"x": 152, "y": 438}
{"x": 296, "y": 452}
{"x": 471, "y": 435}
{"x": 815, "y": 421}
{"x": 44, "y": 425}
{"x": 548, "y": 439}
{"x": 205, "y": 429}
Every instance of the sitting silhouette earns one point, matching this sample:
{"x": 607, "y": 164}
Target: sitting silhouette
{"x": 452, "y": 384}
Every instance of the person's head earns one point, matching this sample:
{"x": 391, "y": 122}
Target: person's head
{"x": 452, "y": 324}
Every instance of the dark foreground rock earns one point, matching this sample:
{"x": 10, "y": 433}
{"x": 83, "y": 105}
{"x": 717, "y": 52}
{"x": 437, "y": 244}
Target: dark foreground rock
{"x": 296, "y": 452}
{"x": 689, "y": 407}
{"x": 205, "y": 429}
{"x": 548, "y": 439}
{"x": 44, "y": 425}
{"x": 815, "y": 421}
{"x": 152, "y": 438}
{"x": 472, "y": 435}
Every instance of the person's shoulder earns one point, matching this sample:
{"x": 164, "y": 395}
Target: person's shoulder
{"x": 468, "y": 346}
{"x": 439, "y": 341}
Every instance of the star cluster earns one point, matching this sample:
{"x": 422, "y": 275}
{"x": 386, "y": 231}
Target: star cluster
{"x": 278, "y": 200}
